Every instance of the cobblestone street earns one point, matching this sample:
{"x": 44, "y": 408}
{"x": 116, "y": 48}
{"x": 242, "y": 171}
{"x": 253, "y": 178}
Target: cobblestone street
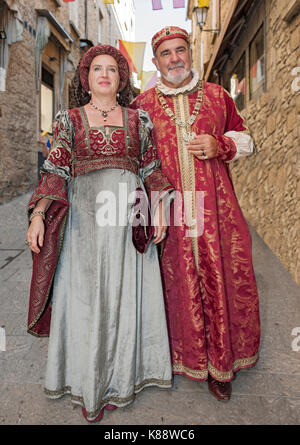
{"x": 269, "y": 393}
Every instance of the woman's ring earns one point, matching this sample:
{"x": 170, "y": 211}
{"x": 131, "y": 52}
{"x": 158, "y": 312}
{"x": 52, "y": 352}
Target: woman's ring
{"x": 203, "y": 152}
{"x": 28, "y": 243}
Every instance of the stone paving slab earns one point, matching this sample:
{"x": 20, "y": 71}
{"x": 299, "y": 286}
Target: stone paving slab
{"x": 267, "y": 394}
{"x": 184, "y": 408}
{"x": 27, "y": 405}
{"x": 250, "y": 383}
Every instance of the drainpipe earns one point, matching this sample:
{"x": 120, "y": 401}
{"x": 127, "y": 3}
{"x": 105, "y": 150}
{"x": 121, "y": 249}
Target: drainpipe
{"x": 86, "y": 19}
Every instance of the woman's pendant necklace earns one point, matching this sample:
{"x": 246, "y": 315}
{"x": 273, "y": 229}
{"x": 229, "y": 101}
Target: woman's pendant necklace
{"x": 104, "y": 112}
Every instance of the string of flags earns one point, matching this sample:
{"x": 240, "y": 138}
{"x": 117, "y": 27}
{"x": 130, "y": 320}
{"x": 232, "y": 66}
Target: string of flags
{"x": 156, "y": 4}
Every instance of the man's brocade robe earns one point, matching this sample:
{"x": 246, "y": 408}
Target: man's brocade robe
{"x": 209, "y": 284}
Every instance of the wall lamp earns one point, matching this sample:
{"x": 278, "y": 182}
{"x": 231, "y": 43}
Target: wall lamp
{"x": 201, "y": 15}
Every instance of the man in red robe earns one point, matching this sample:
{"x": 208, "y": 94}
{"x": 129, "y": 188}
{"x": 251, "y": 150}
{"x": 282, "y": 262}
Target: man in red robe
{"x": 209, "y": 283}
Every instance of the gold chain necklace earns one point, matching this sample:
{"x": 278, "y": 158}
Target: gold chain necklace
{"x": 187, "y": 135}
{"x": 104, "y": 112}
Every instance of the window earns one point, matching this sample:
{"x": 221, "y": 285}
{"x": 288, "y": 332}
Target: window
{"x": 47, "y": 100}
{"x": 257, "y": 64}
{"x": 238, "y": 83}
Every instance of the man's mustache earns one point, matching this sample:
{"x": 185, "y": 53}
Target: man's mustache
{"x": 177, "y": 65}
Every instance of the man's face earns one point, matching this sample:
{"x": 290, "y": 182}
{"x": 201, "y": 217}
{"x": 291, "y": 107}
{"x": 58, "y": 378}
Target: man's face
{"x": 173, "y": 60}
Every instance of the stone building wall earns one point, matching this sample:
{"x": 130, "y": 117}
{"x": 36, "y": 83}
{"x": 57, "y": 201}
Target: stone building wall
{"x": 20, "y": 102}
{"x": 268, "y": 183}
{"x": 208, "y": 38}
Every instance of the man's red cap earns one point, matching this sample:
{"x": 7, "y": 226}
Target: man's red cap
{"x": 167, "y": 33}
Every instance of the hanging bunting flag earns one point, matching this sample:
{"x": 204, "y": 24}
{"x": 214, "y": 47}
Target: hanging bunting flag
{"x": 149, "y": 79}
{"x": 134, "y": 54}
{"x": 178, "y": 3}
{"x": 156, "y": 4}
{"x": 203, "y": 3}
{"x": 108, "y": 2}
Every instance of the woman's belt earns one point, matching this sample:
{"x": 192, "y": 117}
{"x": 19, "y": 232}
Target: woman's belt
{"x": 80, "y": 167}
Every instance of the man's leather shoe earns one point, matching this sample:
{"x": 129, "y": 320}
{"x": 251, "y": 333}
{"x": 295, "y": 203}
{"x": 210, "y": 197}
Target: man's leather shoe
{"x": 221, "y": 390}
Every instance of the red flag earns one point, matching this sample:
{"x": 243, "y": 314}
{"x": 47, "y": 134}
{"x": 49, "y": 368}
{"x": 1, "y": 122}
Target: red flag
{"x": 156, "y": 4}
{"x": 178, "y": 3}
{"x": 124, "y": 51}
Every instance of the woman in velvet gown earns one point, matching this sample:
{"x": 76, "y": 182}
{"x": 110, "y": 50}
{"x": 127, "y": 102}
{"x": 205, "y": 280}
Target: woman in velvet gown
{"x": 100, "y": 299}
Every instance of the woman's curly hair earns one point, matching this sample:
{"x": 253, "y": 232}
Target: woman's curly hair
{"x": 79, "y": 97}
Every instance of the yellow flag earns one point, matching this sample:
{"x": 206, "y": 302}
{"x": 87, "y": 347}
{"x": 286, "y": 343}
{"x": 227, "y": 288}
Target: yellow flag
{"x": 148, "y": 80}
{"x": 135, "y": 51}
{"x": 203, "y": 3}
{"x": 108, "y": 2}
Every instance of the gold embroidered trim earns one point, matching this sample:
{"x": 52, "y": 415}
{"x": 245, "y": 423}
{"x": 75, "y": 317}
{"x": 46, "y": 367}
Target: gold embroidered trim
{"x": 55, "y": 197}
{"x": 86, "y": 127}
{"x": 109, "y": 400}
{"x": 244, "y": 362}
{"x": 186, "y": 160}
{"x": 86, "y": 166}
{"x": 198, "y": 374}
{"x": 59, "y": 247}
{"x": 218, "y": 375}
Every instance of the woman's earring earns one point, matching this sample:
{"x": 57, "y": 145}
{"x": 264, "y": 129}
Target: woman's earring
{"x": 89, "y": 92}
{"x": 118, "y": 95}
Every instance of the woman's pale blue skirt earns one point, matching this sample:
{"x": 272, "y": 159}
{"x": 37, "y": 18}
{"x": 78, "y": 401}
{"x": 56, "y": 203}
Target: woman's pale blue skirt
{"x": 108, "y": 336}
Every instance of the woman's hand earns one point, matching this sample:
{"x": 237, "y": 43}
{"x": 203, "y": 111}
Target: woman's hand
{"x": 160, "y": 225}
{"x": 35, "y": 234}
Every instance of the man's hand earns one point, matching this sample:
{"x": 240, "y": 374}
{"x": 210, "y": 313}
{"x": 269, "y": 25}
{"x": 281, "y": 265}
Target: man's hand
{"x": 203, "y": 146}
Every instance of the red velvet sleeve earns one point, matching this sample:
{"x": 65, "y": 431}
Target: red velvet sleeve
{"x": 156, "y": 183}
{"x": 56, "y": 169}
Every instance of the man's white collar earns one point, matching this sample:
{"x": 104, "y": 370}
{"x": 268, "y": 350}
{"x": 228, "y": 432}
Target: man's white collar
{"x": 174, "y": 91}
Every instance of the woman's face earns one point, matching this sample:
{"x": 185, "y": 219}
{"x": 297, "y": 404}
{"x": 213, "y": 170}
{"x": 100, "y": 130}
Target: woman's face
{"x": 104, "y": 76}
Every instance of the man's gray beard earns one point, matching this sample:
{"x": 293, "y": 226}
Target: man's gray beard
{"x": 177, "y": 79}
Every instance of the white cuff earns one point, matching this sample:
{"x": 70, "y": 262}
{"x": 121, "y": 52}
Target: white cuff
{"x": 243, "y": 142}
